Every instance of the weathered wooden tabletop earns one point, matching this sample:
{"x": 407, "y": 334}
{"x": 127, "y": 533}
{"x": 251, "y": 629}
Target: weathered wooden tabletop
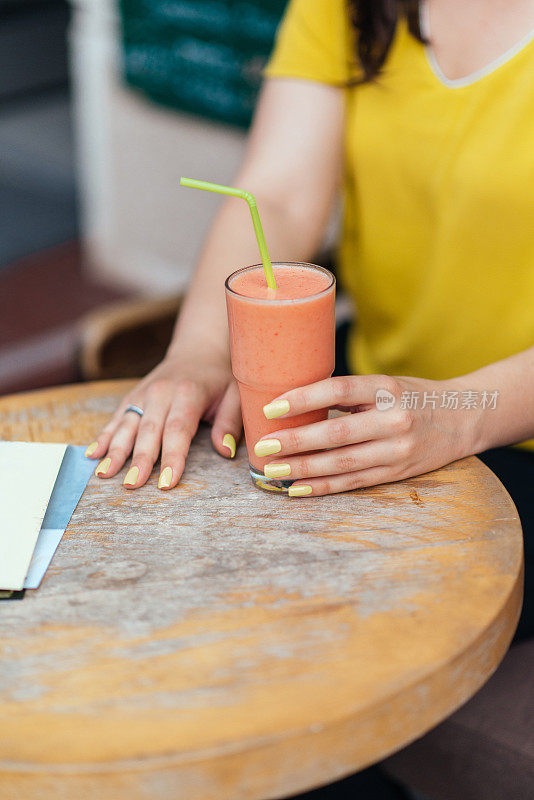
{"x": 220, "y": 642}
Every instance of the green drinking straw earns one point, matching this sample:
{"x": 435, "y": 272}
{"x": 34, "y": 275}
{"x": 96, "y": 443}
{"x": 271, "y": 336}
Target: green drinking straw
{"x": 251, "y": 200}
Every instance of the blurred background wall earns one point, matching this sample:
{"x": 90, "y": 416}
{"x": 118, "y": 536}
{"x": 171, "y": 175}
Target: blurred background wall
{"x": 161, "y": 89}
{"x": 103, "y": 106}
{"x": 37, "y": 184}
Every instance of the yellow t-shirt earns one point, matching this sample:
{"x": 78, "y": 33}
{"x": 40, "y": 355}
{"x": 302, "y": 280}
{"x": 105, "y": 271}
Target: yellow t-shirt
{"x": 438, "y": 237}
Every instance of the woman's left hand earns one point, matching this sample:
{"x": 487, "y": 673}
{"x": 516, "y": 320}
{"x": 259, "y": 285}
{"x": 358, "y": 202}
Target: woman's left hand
{"x": 386, "y": 436}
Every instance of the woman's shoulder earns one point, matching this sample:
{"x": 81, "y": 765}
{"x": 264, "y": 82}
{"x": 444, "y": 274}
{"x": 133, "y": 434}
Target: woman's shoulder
{"x": 315, "y": 41}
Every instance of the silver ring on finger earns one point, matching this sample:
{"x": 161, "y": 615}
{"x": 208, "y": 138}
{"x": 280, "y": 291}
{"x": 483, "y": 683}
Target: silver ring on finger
{"x": 135, "y": 409}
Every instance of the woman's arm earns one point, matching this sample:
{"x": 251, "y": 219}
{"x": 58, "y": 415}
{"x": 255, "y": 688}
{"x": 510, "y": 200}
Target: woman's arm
{"x": 399, "y": 427}
{"x": 512, "y": 419}
{"x": 292, "y": 166}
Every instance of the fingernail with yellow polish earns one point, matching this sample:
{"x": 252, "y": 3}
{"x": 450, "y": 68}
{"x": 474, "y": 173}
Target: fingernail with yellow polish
{"x": 276, "y": 409}
{"x": 299, "y": 491}
{"x": 131, "y": 477}
{"x": 229, "y": 442}
{"x": 165, "y": 479}
{"x": 267, "y": 447}
{"x": 276, "y": 470}
{"x": 103, "y": 467}
{"x": 91, "y": 449}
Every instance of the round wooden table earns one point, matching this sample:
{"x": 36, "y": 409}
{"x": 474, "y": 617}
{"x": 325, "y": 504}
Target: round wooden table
{"x": 217, "y": 643}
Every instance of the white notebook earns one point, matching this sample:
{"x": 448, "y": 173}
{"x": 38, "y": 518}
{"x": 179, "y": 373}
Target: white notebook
{"x": 28, "y": 472}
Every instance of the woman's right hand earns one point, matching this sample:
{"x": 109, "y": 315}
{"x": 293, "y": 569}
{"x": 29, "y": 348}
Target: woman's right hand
{"x": 174, "y": 397}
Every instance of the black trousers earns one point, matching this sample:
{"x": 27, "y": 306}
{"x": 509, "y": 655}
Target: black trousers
{"x": 515, "y": 470}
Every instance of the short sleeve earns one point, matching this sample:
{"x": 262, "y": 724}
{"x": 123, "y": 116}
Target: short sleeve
{"x": 315, "y": 41}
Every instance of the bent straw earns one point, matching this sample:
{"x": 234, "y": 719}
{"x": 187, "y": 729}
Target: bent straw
{"x": 251, "y": 200}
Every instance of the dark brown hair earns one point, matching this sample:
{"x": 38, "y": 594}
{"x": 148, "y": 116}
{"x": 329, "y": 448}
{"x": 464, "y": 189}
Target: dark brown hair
{"x": 375, "y": 22}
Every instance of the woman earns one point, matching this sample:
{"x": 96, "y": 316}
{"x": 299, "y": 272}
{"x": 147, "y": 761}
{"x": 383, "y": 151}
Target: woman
{"x": 425, "y": 112}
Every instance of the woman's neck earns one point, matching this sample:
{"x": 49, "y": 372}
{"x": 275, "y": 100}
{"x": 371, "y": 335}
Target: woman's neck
{"x": 468, "y": 35}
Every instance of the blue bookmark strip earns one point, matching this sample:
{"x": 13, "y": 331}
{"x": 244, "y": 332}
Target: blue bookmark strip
{"x": 70, "y": 484}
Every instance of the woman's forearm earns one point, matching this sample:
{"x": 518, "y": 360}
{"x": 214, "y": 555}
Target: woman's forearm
{"x": 294, "y": 178}
{"x": 508, "y": 415}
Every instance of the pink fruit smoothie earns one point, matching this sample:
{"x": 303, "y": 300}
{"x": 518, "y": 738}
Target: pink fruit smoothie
{"x": 279, "y": 340}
